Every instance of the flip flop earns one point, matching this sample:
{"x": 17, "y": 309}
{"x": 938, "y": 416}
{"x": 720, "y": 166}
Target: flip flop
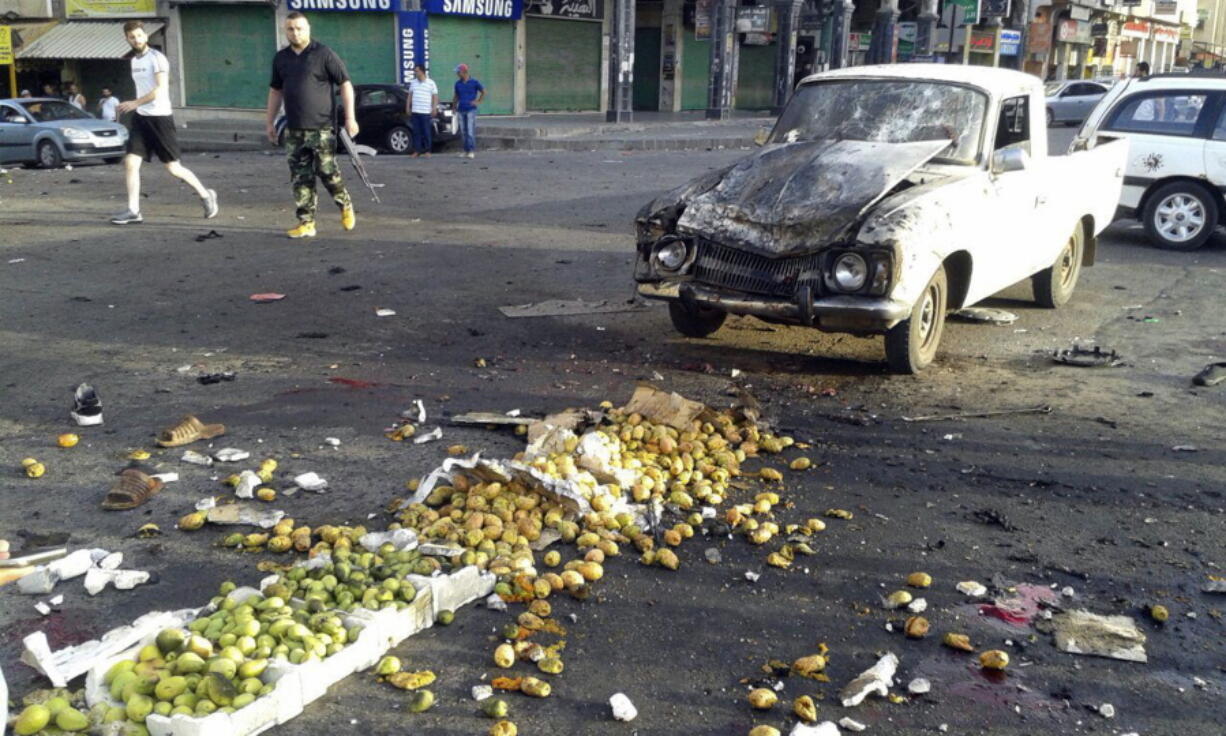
{"x": 131, "y": 489}
{"x": 188, "y": 430}
{"x": 1211, "y": 375}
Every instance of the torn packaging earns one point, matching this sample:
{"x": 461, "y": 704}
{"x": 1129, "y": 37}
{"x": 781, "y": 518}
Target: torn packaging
{"x": 877, "y": 679}
{"x": 1116, "y": 637}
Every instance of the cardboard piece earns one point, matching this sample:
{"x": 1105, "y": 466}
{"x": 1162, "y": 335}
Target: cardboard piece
{"x": 662, "y": 407}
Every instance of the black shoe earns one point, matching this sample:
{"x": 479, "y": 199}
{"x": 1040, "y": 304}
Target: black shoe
{"x": 87, "y": 407}
{"x": 1211, "y": 375}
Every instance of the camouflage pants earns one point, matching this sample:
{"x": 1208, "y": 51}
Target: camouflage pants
{"x": 311, "y": 153}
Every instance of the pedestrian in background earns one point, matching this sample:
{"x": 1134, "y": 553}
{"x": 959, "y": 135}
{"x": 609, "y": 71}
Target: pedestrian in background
{"x": 107, "y": 104}
{"x": 152, "y": 131}
{"x": 73, "y": 96}
{"x": 468, "y": 95}
{"x": 304, "y": 75}
{"x": 423, "y": 107}
{"x": 26, "y": 93}
{"x": 50, "y": 90}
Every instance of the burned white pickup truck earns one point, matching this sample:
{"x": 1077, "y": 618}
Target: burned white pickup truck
{"x": 883, "y": 197}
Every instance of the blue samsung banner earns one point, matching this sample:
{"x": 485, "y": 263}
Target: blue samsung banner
{"x": 413, "y": 43}
{"x": 499, "y": 9}
{"x": 348, "y": 6}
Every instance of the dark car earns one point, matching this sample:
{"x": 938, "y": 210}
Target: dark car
{"x": 46, "y": 132}
{"x": 382, "y": 121}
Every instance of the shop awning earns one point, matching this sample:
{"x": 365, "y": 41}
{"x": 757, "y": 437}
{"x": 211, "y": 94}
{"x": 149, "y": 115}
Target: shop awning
{"x": 83, "y": 40}
{"x": 26, "y": 33}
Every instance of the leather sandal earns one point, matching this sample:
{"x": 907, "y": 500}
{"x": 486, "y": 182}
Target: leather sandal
{"x": 132, "y": 488}
{"x": 188, "y": 430}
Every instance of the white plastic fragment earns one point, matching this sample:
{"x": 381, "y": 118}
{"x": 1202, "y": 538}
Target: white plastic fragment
{"x": 248, "y": 481}
{"x": 97, "y": 579}
{"x": 972, "y": 589}
{"x": 623, "y": 709}
{"x": 310, "y": 482}
{"x": 401, "y": 539}
{"x": 385, "y": 312}
{"x": 74, "y": 565}
{"x": 877, "y": 679}
{"x": 167, "y": 477}
{"x": 851, "y": 724}
{"x": 919, "y": 605}
{"x": 206, "y": 503}
{"x": 1215, "y": 585}
{"x": 1067, "y": 591}
{"x": 58, "y": 600}
{"x": 481, "y": 692}
{"x": 42, "y": 608}
{"x": 196, "y": 458}
{"x": 825, "y": 728}
{"x": 495, "y": 603}
{"x": 919, "y": 686}
{"x": 65, "y": 664}
{"x": 434, "y": 434}
{"x": 111, "y": 561}
{"x": 39, "y": 582}
{"x": 230, "y": 455}
{"x": 332, "y": 441}
{"x": 752, "y": 576}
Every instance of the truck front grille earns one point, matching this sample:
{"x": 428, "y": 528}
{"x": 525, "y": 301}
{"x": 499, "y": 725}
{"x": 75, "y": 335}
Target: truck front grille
{"x": 720, "y": 265}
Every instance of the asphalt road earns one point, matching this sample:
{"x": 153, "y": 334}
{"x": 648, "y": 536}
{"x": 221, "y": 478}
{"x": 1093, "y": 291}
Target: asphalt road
{"x": 1091, "y": 495}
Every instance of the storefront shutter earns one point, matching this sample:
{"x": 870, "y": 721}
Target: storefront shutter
{"x": 366, "y": 42}
{"x": 487, "y": 46}
{"x": 563, "y": 64}
{"x": 227, "y": 54}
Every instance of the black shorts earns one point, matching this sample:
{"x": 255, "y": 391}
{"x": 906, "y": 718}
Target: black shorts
{"x": 154, "y": 134}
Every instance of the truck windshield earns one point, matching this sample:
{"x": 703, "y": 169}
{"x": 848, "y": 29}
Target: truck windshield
{"x": 887, "y": 111}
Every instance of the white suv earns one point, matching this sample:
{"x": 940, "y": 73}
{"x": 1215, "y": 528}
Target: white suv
{"x": 1176, "y": 171}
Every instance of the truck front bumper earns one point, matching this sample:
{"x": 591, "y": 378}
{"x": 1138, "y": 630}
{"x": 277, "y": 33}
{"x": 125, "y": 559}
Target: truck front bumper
{"x": 854, "y": 314}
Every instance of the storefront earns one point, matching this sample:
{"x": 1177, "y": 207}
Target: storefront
{"x": 563, "y": 43}
{"x": 755, "y": 77}
{"x": 1073, "y": 42}
{"x": 226, "y": 52}
{"x": 1134, "y": 37}
{"x": 481, "y": 35}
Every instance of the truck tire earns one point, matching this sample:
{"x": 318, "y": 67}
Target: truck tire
{"x": 696, "y": 323}
{"x": 1180, "y": 216}
{"x": 1053, "y": 286}
{"x": 911, "y": 345}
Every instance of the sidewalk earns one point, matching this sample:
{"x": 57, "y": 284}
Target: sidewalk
{"x": 648, "y": 131}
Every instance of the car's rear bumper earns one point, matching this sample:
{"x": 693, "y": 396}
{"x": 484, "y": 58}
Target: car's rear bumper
{"x": 834, "y": 313}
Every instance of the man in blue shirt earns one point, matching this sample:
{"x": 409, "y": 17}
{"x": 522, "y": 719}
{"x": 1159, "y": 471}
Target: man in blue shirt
{"x": 468, "y": 95}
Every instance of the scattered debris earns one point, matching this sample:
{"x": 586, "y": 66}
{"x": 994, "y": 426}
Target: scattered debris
{"x": 248, "y": 481}
{"x": 713, "y": 555}
{"x": 310, "y": 482}
{"x": 623, "y": 709}
{"x": 385, "y": 312}
{"x": 1106, "y": 710}
{"x": 919, "y": 686}
{"x": 432, "y": 435}
{"x": 1086, "y": 358}
{"x": 971, "y": 589}
{"x": 267, "y": 297}
{"x": 97, "y": 579}
{"x": 994, "y": 659}
{"x": 1211, "y": 375}
{"x": 570, "y": 307}
{"x": 230, "y": 455}
{"x": 1043, "y": 409}
{"x": 196, "y": 458}
{"x": 87, "y": 407}
{"x": 877, "y": 679}
{"x": 1215, "y": 585}
{"x": 851, "y": 724}
{"x": 189, "y": 430}
{"x": 489, "y": 417}
{"x": 1185, "y": 448}
{"x": 1116, "y": 637}
{"x": 208, "y": 379}
{"x": 481, "y": 692}
{"x": 241, "y": 513}
{"x": 985, "y": 314}
{"x": 825, "y": 728}
{"x": 208, "y": 236}
{"x": 752, "y": 576}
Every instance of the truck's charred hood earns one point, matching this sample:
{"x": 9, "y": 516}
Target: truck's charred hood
{"x": 796, "y": 197}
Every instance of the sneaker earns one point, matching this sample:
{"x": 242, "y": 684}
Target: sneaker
{"x": 304, "y": 230}
{"x": 472, "y": 154}
{"x": 127, "y": 217}
{"x": 348, "y": 218}
{"x": 86, "y": 406}
{"x": 210, "y": 205}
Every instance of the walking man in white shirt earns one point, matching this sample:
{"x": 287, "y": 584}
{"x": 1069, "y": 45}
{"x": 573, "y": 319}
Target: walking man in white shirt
{"x": 107, "y": 104}
{"x": 153, "y": 127}
{"x": 423, "y": 107}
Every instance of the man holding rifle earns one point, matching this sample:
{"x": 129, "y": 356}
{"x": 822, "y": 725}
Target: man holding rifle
{"x": 304, "y": 74}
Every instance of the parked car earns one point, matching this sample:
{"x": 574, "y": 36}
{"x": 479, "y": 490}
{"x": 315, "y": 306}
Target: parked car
{"x": 44, "y": 131}
{"x": 1176, "y": 167}
{"x": 1072, "y": 101}
{"x": 883, "y": 197}
{"x": 382, "y": 121}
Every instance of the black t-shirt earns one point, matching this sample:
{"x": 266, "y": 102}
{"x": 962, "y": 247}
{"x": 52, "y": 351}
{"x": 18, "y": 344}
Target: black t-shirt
{"x": 307, "y": 80}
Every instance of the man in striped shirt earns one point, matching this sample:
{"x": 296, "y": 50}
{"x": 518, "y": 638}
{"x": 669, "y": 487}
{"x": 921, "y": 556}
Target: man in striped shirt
{"x": 423, "y": 107}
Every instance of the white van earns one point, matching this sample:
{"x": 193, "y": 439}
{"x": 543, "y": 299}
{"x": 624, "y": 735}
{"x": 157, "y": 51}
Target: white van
{"x": 1176, "y": 171}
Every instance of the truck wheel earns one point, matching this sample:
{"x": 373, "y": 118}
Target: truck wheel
{"x": 1053, "y": 286}
{"x": 1180, "y": 216}
{"x": 696, "y": 323}
{"x": 911, "y": 345}
{"x": 49, "y": 155}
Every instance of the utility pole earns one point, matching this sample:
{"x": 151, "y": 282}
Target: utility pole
{"x": 840, "y": 24}
{"x": 788, "y": 14}
{"x": 997, "y": 23}
{"x": 926, "y": 29}
{"x": 723, "y": 60}
{"x": 885, "y": 31}
{"x": 621, "y": 63}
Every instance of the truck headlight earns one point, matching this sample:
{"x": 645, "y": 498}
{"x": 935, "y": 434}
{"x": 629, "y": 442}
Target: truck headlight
{"x": 671, "y": 255}
{"x": 850, "y": 272}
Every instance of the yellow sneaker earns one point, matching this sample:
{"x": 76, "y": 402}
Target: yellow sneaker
{"x": 348, "y": 218}
{"x": 304, "y": 230}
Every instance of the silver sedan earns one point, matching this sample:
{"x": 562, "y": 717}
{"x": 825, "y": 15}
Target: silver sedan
{"x": 1072, "y": 101}
{"x": 46, "y": 132}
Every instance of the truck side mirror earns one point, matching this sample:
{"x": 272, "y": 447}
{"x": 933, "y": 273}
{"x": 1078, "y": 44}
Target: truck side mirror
{"x": 1008, "y": 159}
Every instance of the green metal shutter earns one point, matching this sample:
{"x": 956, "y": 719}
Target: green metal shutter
{"x": 563, "y": 64}
{"x": 695, "y": 71}
{"x": 646, "y": 69}
{"x": 755, "y": 78}
{"x": 487, "y": 46}
{"x": 227, "y": 54}
{"x": 366, "y": 42}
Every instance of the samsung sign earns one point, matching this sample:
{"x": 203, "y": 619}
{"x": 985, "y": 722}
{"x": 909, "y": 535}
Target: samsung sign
{"x": 379, "y": 6}
{"x": 501, "y": 9}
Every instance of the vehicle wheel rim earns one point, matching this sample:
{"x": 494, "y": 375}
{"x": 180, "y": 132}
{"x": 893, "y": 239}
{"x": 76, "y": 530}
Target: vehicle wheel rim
{"x": 400, "y": 141}
{"x": 1068, "y": 262}
{"x": 45, "y": 156}
{"x": 1180, "y": 217}
{"x": 928, "y": 317}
